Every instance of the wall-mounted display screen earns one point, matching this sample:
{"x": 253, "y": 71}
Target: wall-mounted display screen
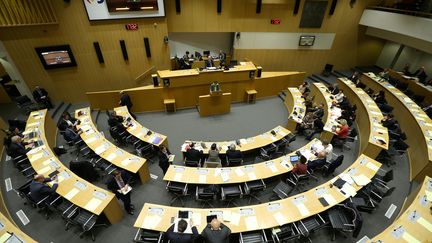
{"x": 124, "y": 9}
{"x": 56, "y": 56}
{"x": 307, "y": 40}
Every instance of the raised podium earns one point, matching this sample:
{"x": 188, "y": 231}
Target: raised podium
{"x": 215, "y": 103}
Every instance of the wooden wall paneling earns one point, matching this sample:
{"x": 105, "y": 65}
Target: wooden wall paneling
{"x": 26, "y": 12}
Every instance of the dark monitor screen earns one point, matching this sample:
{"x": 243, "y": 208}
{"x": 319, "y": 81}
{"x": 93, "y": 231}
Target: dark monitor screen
{"x": 206, "y": 53}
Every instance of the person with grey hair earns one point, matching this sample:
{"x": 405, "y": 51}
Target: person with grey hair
{"x": 17, "y": 147}
{"x": 216, "y": 232}
{"x": 232, "y": 153}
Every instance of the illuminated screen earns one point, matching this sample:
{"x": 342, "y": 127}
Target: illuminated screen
{"x": 56, "y": 56}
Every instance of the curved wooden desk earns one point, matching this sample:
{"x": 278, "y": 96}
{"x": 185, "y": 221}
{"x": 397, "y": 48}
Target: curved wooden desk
{"x": 295, "y": 104}
{"x": 331, "y": 114}
{"x": 414, "y": 85}
{"x": 413, "y": 121}
{"x": 265, "y": 215}
{"x": 415, "y": 223}
{"x": 8, "y": 231}
{"x": 237, "y": 174}
{"x": 108, "y": 151}
{"x": 368, "y": 120}
{"x": 70, "y": 186}
{"x": 246, "y": 144}
{"x": 139, "y": 131}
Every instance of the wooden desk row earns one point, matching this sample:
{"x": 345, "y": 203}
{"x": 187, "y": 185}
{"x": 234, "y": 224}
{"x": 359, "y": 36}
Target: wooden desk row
{"x": 368, "y": 120}
{"x": 70, "y": 186}
{"x": 414, "y": 85}
{"x": 295, "y": 104}
{"x": 139, "y": 131}
{"x": 246, "y": 144}
{"x": 10, "y": 233}
{"x": 108, "y": 151}
{"x": 414, "y": 225}
{"x": 267, "y": 215}
{"x": 187, "y": 85}
{"x": 331, "y": 114}
{"x": 413, "y": 121}
{"x": 237, "y": 174}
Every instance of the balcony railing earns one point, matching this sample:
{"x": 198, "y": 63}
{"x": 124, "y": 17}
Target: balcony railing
{"x": 402, "y": 11}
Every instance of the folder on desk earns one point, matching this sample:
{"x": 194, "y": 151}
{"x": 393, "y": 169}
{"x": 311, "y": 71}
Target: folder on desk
{"x": 361, "y": 180}
{"x": 251, "y": 222}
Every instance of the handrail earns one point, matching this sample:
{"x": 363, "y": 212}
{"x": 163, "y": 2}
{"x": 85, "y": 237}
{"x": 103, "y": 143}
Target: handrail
{"x": 402, "y": 11}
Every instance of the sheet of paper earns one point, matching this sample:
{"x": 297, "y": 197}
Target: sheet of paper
{"x": 202, "y": 179}
{"x": 429, "y": 196}
{"x": 125, "y": 162}
{"x": 217, "y": 171}
{"x": 252, "y": 176}
{"x": 330, "y": 199}
{"x": 408, "y": 237}
{"x": 303, "y": 210}
{"x": 372, "y": 166}
{"x": 44, "y": 170}
{"x": 273, "y": 168}
{"x": 226, "y": 214}
{"x": 71, "y": 193}
{"x": 235, "y": 218}
{"x": 280, "y": 218}
{"x": 239, "y": 172}
{"x": 151, "y": 221}
{"x": 37, "y": 156}
{"x": 90, "y": 140}
{"x": 423, "y": 222}
{"x": 251, "y": 222}
{"x": 100, "y": 149}
{"x": 361, "y": 180}
{"x": 177, "y": 177}
{"x": 347, "y": 178}
{"x": 93, "y": 204}
{"x": 349, "y": 190}
{"x": 225, "y": 177}
{"x": 196, "y": 218}
{"x": 111, "y": 156}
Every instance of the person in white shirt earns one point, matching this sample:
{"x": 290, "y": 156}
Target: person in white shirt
{"x": 339, "y": 96}
{"x": 328, "y": 148}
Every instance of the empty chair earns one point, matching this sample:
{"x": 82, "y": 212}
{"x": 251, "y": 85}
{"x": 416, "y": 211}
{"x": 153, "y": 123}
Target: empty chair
{"x": 67, "y": 211}
{"x": 252, "y": 188}
{"x": 235, "y": 162}
{"x": 205, "y": 194}
{"x": 229, "y": 193}
{"x": 345, "y": 218}
{"x": 212, "y": 164}
{"x": 286, "y": 233}
{"x": 178, "y": 189}
{"x": 191, "y": 163}
{"x": 310, "y": 225}
{"x": 331, "y": 166}
{"x": 377, "y": 194}
{"x": 145, "y": 151}
{"x": 363, "y": 204}
{"x": 268, "y": 151}
{"x": 148, "y": 236}
{"x": 382, "y": 179}
{"x": 282, "y": 190}
{"x": 253, "y": 237}
{"x": 27, "y": 105}
{"x": 87, "y": 222}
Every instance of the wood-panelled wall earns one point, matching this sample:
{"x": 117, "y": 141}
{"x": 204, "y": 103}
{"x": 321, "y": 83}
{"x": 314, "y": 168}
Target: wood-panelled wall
{"x": 351, "y": 47}
{"x": 74, "y": 28}
{"x": 26, "y": 12}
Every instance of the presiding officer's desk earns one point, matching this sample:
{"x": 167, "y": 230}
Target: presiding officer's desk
{"x": 185, "y": 86}
{"x": 373, "y": 136}
{"x": 295, "y": 104}
{"x": 10, "y": 233}
{"x": 414, "y": 85}
{"x": 413, "y": 121}
{"x": 331, "y": 114}
{"x": 415, "y": 223}
{"x": 139, "y": 131}
{"x": 108, "y": 151}
{"x": 236, "y": 174}
{"x": 267, "y": 215}
{"x": 246, "y": 144}
{"x": 73, "y": 188}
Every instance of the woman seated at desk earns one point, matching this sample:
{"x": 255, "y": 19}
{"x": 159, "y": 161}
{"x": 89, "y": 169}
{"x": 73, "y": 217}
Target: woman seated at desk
{"x": 341, "y": 131}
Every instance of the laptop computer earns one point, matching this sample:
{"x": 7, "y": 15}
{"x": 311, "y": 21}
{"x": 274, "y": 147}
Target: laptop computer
{"x": 184, "y": 214}
{"x": 294, "y": 159}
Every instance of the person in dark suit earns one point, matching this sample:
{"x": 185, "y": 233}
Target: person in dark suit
{"x": 318, "y": 162}
{"x": 318, "y": 127}
{"x": 40, "y": 95}
{"x": 232, "y": 153}
{"x": 216, "y": 232}
{"x": 380, "y": 97}
{"x": 119, "y": 181}
{"x": 66, "y": 121}
{"x": 334, "y": 89}
{"x": 125, "y": 100}
{"x": 163, "y": 155}
{"x": 180, "y": 236}
{"x": 193, "y": 154}
{"x": 421, "y": 75}
{"x": 355, "y": 77}
{"x": 39, "y": 190}
{"x": 70, "y": 135}
{"x": 389, "y": 122}
{"x": 16, "y": 147}
{"x": 116, "y": 121}
{"x": 406, "y": 69}
{"x": 209, "y": 62}
{"x": 222, "y": 57}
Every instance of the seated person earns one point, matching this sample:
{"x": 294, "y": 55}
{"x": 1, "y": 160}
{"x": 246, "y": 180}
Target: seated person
{"x": 319, "y": 162}
{"x": 342, "y": 130}
{"x": 216, "y": 232}
{"x": 66, "y": 121}
{"x": 232, "y": 153}
{"x": 339, "y": 96}
{"x": 389, "y": 122}
{"x": 39, "y": 189}
{"x": 319, "y": 111}
{"x": 406, "y": 69}
{"x": 304, "y": 89}
{"x": 17, "y": 147}
{"x": 180, "y": 236}
{"x": 334, "y": 89}
{"x": 300, "y": 168}
{"x": 213, "y": 154}
{"x": 40, "y": 95}
{"x": 317, "y": 127}
{"x": 355, "y": 77}
{"x": 193, "y": 154}
{"x": 186, "y": 56}
{"x": 209, "y": 62}
{"x": 380, "y": 97}
{"x": 307, "y": 123}
{"x": 222, "y": 57}
{"x": 328, "y": 149}
{"x": 72, "y": 136}
{"x": 384, "y": 74}
{"x": 421, "y": 75}
{"x": 116, "y": 122}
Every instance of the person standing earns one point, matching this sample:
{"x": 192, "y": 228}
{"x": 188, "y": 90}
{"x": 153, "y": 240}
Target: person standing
{"x": 118, "y": 183}
{"x": 40, "y": 95}
{"x": 164, "y": 155}
{"x": 216, "y": 232}
{"x": 125, "y": 100}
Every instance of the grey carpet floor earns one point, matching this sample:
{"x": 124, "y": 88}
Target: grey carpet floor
{"x": 243, "y": 121}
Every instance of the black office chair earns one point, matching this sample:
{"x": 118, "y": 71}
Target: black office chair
{"x": 383, "y": 177}
{"x": 282, "y": 190}
{"x": 252, "y": 188}
{"x": 286, "y": 233}
{"x": 268, "y": 151}
{"x": 377, "y": 194}
{"x": 41, "y": 205}
{"x": 344, "y": 219}
{"x": 178, "y": 189}
{"x": 148, "y": 236}
{"x": 229, "y": 193}
{"x": 363, "y": 204}
{"x": 86, "y": 221}
{"x": 192, "y": 163}
{"x": 66, "y": 210}
{"x": 145, "y": 151}
{"x": 234, "y": 162}
{"x": 253, "y": 237}
{"x": 402, "y": 86}
{"x": 298, "y": 181}
{"x": 330, "y": 167}
{"x": 312, "y": 224}
{"x": 106, "y": 167}
{"x": 205, "y": 194}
